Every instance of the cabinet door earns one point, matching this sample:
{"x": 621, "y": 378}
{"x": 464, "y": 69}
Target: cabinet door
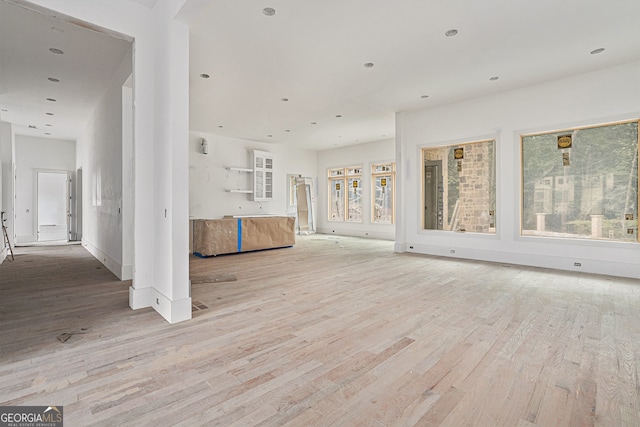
{"x": 263, "y": 176}
{"x": 258, "y": 188}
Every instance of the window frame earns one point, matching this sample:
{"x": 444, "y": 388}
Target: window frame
{"x": 600, "y": 241}
{"x": 385, "y": 173}
{"x": 343, "y": 175}
{"x": 493, "y": 198}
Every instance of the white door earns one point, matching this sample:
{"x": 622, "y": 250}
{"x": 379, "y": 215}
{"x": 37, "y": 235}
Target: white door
{"x": 53, "y": 206}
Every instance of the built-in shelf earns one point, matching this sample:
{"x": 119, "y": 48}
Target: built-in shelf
{"x": 240, "y": 171}
{"x": 240, "y": 191}
{"x": 232, "y": 168}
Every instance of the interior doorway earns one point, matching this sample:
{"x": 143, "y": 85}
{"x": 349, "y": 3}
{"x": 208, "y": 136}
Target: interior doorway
{"x": 53, "y": 207}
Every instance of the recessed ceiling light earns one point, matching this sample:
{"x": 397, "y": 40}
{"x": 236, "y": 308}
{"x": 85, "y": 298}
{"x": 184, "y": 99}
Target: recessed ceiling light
{"x": 220, "y": 126}
{"x": 32, "y": 126}
{"x": 314, "y": 123}
{"x": 51, "y": 99}
{"x": 287, "y": 130}
{"x": 53, "y": 79}
{"x": 494, "y": 78}
{"x": 284, "y": 99}
{"x": 597, "y": 51}
{"x": 205, "y": 75}
{"x": 451, "y": 33}
{"x": 368, "y": 65}
{"x": 424, "y": 96}
{"x": 338, "y": 115}
{"x": 56, "y": 51}
{"x": 49, "y": 124}
{"x": 4, "y": 110}
{"x": 47, "y": 133}
{"x": 384, "y": 136}
{"x": 269, "y": 11}
{"x": 270, "y": 136}
{"x": 49, "y": 114}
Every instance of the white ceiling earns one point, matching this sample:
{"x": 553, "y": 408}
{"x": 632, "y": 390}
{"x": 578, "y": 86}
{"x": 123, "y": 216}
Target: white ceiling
{"x": 84, "y": 70}
{"x": 313, "y": 53}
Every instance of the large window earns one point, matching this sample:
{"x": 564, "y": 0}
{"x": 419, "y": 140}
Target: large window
{"x": 581, "y": 183}
{"x": 459, "y": 187}
{"x": 383, "y": 200}
{"x": 345, "y": 194}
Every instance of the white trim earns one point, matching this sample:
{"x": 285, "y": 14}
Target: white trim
{"x": 122, "y": 272}
{"x": 367, "y": 233}
{"x": 568, "y": 263}
{"x": 172, "y": 311}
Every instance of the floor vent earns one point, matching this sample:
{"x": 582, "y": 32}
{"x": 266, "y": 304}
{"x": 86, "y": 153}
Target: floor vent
{"x": 197, "y": 306}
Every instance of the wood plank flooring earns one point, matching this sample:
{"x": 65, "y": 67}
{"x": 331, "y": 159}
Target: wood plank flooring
{"x": 335, "y": 331}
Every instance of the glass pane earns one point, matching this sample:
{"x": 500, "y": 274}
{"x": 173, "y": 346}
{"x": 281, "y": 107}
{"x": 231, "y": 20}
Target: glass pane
{"x": 336, "y": 202}
{"x": 268, "y": 185}
{"x": 336, "y": 172}
{"x": 354, "y": 171}
{"x": 582, "y": 183}
{"x": 355, "y": 199}
{"x": 460, "y": 187}
{"x": 383, "y": 199}
{"x": 382, "y": 168}
{"x": 259, "y": 185}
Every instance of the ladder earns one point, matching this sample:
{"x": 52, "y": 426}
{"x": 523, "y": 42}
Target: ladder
{"x": 7, "y": 242}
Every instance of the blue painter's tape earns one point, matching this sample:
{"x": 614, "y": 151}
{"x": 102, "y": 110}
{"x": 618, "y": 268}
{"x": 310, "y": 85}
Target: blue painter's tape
{"x": 239, "y": 235}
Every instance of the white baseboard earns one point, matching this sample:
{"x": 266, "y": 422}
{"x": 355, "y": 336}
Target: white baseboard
{"x": 352, "y": 232}
{"x": 3, "y": 254}
{"x": 173, "y": 311}
{"x": 567, "y": 263}
{"x": 122, "y": 272}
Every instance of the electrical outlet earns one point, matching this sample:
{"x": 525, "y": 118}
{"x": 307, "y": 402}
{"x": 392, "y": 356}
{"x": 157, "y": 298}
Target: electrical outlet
{"x": 157, "y": 301}
{"x": 577, "y": 264}
{"x": 452, "y": 251}
{"x": 410, "y": 247}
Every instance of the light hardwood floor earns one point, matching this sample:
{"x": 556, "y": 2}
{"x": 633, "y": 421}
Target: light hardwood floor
{"x": 333, "y": 332}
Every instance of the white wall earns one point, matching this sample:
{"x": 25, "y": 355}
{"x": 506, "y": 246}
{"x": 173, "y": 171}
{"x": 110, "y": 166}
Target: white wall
{"x": 209, "y": 179}
{"x": 357, "y": 155}
{"x": 602, "y": 96}
{"x": 3, "y": 129}
{"x": 7, "y": 160}
{"x": 36, "y": 154}
{"x": 100, "y": 149}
